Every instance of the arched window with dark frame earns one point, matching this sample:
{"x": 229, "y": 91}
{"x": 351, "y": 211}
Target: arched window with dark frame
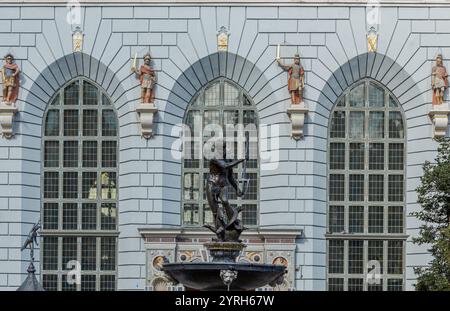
{"x": 221, "y": 103}
{"x": 366, "y": 191}
{"x": 79, "y": 189}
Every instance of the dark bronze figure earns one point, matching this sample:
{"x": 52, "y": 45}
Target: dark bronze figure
{"x": 227, "y": 226}
{"x": 32, "y": 239}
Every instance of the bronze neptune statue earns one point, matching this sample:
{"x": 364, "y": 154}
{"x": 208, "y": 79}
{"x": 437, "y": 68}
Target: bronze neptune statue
{"x": 227, "y": 226}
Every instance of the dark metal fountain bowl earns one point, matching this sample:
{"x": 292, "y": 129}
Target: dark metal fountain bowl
{"x": 206, "y": 275}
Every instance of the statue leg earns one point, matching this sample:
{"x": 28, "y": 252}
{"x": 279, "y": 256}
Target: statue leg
{"x": 143, "y": 95}
{"x": 10, "y": 89}
{"x": 147, "y": 95}
{"x": 5, "y": 93}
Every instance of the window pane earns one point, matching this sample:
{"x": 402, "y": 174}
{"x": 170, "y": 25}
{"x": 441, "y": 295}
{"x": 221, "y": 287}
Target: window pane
{"x": 88, "y": 282}
{"x": 50, "y": 216}
{"x": 252, "y": 191}
{"x": 191, "y": 186}
{"x": 376, "y": 219}
{"x": 375, "y": 252}
{"x": 69, "y": 252}
{"x": 376, "y": 156}
{"x": 357, "y": 96}
{"x": 356, "y": 187}
{"x": 249, "y": 214}
{"x": 70, "y": 211}
{"x": 50, "y": 282}
{"x": 355, "y": 285}
{"x": 70, "y": 122}
{"x": 356, "y": 124}
{"x": 392, "y": 102}
{"x": 56, "y": 101}
{"x": 52, "y": 123}
{"x": 107, "y": 282}
{"x": 90, "y": 94}
{"x": 66, "y": 286}
{"x": 108, "y": 187}
{"x": 51, "y": 185}
{"x": 355, "y": 257}
{"x": 105, "y": 100}
{"x": 376, "y": 188}
{"x": 109, "y": 123}
{"x": 191, "y": 214}
{"x": 207, "y": 215}
{"x": 89, "y": 184}
{"x": 337, "y": 183}
{"x": 89, "y": 154}
{"x": 337, "y": 156}
{"x": 336, "y": 256}
{"x": 51, "y": 154}
{"x": 108, "y": 216}
{"x": 49, "y": 253}
{"x": 70, "y": 154}
{"x": 335, "y": 284}
{"x": 356, "y": 156}
{"x": 212, "y": 95}
{"x": 376, "y": 124}
{"x": 376, "y": 96}
{"x": 88, "y": 253}
{"x": 231, "y": 95}
{"x": 396, "y": 155}
{"x": 109, "y": 156}
{"x": 395, "y": 285}
{"x": 90, "y": 122}
{"x": 70, "y": 185}
{"x": 71, "y": 94}
{"x": 395, "y": 188}
{"x": 395, "y": 257}
{"x": 89, "y": 216}
{"x": 356, "y": 219}
{"x": 338, "y": 125}
{"x": 336, "y": 219}
{"x": 395, "y": 125}
{"x": 191, "y": 149}
{"x": 395, "y": 219}
{"x": 108, "y": 254}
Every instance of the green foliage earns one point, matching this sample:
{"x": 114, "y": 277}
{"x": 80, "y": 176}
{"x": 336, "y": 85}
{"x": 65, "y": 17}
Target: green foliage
{"x": 434, "y": 197}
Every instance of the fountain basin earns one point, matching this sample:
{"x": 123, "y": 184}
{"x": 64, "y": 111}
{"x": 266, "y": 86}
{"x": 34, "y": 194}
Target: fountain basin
{"x": 205, "y": 276}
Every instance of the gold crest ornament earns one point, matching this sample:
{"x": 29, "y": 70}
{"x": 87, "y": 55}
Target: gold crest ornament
{"x": 77, "y": 39}
{"x": 372, "y": 39}
{"x": 222, "y": 39}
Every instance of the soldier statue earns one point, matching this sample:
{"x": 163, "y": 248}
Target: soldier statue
{"x": 227, "y": 226}
{"x": 10, "y": 79}
{"x": 439, "y": 81}
{"x": 146, "y": 75}
{"x": 296, "y": 81}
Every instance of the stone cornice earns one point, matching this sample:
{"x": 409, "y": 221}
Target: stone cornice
{"x": 407, "y": 3}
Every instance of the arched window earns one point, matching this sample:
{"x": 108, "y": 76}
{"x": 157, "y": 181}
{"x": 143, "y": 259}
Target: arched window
{"x": 79, "y": 189}
{"x": 224, "y": 104}
{"x": 366, "y": 163}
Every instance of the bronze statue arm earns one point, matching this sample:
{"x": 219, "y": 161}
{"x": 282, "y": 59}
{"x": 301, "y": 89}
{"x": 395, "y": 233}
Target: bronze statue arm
{"x": 234, "y": 184}
{"x": 234, "y": 163}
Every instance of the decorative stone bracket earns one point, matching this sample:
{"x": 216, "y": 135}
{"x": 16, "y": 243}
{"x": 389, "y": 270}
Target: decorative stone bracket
{"x": 297, "y": 113}
{"x": 439, "y": 115}
{"x": 146, "y": 113}
{"x": 7, "y": 112}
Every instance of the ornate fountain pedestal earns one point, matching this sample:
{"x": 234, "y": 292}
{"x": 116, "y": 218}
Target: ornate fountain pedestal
{"x": 223, "y": 272}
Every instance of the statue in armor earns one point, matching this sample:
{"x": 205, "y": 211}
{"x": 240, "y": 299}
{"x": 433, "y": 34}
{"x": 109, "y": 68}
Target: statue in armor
{"x": 147, "y": 77}
{"x": 439, "y": 81}
{"x": 296, "y": 81}
{"x": 10, "y": 79}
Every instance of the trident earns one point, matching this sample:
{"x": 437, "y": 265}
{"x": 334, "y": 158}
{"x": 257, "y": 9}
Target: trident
{"x": 244, "y": 180}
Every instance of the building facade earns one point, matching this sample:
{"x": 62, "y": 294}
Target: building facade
{"x": 333, "y": 181}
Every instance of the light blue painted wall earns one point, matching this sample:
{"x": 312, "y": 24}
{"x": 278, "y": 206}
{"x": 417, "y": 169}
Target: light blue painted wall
{"x": 182, "y": 40}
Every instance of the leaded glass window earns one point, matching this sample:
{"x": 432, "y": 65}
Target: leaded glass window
{"x": 226, "y": 105}
{"x": 79, "y": 210}
{"x": 366, "y": 185}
